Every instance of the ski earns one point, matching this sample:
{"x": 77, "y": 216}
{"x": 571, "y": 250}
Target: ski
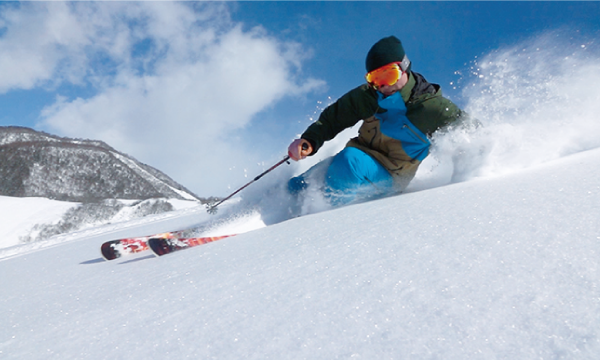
{"x": 161, "y": 246}
{"x": 114, "y": 249}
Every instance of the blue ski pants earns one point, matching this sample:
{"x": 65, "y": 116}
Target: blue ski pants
{"x": 351, "y": 175}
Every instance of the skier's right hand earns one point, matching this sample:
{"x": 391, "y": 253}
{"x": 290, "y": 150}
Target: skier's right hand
{"x": 299, "y": 149}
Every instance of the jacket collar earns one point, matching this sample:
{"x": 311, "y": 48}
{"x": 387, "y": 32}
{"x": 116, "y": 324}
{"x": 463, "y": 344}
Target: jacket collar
{"x": 406, "y": 91}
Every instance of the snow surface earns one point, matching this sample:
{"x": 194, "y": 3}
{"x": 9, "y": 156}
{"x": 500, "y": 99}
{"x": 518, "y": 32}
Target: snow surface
{"x": 492, "y": 253}
{"x": 503, "y": 267}
{"x": 19, "y": 215}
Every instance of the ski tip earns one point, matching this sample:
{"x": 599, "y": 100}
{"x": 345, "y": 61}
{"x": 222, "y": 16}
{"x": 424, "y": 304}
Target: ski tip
{"x": 108, "y": 251}
{"x": 159, "y": 246}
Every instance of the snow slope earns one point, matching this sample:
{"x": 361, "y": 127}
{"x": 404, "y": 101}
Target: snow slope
{"x": 497, "y": 268}
{"x": 19, "y": 215}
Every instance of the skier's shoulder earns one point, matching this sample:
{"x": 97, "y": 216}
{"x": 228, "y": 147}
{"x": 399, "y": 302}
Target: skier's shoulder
{"x": 362, "y": 93}
{"x": 362, "y": 101}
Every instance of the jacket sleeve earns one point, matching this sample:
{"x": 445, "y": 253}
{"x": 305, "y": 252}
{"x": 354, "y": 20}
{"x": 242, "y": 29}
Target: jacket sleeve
{"x": 358, "y": 104}
{"x": 429, "y": 110}
{"x": 450, "y": 115}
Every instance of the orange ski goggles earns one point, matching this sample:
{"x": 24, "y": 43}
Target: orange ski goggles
{"x": 385, "y": 75}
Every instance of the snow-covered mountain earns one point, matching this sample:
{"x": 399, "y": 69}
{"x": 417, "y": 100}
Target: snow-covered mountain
{"x": 500, "y": 267}
{"x": 37, "y": 164}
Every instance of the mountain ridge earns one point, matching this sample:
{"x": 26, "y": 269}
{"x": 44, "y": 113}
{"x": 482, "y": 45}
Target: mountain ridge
{"x": 35, "y": 163}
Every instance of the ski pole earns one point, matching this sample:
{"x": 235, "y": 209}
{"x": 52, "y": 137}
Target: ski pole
{"x": 212, "y": 208}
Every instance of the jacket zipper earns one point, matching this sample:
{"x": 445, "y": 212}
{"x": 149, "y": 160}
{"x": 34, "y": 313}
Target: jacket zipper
{"x": 406, "y": 126}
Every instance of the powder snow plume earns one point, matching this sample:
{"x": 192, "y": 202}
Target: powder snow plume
{"x": 537, "y": 101}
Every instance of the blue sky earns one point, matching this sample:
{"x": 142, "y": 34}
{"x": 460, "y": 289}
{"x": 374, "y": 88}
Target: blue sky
{"x": 212, "y": 92}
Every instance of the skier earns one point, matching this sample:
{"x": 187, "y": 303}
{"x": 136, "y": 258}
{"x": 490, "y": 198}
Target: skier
{"x": 399, "y": 109}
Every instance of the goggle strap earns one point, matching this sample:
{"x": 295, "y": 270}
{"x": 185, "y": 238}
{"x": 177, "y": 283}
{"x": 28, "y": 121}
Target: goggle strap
{"x": 404, "y": 64}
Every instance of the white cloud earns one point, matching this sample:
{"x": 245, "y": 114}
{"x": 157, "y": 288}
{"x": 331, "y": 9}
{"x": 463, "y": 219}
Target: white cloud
{"x": 31, "y": 46}
{"x": 173, "y": 80}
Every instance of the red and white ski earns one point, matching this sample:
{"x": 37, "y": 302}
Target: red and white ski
{"x": 116, "y": 248}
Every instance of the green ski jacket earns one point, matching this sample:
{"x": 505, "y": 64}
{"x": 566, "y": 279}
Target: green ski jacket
{"x": 426, "y": 109}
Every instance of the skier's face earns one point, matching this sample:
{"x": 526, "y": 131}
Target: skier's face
{"x": 387, "y": 79}
{"x": 388, "y": 90}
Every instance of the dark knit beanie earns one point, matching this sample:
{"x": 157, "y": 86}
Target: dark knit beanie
{"x": 385, "y": 51}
